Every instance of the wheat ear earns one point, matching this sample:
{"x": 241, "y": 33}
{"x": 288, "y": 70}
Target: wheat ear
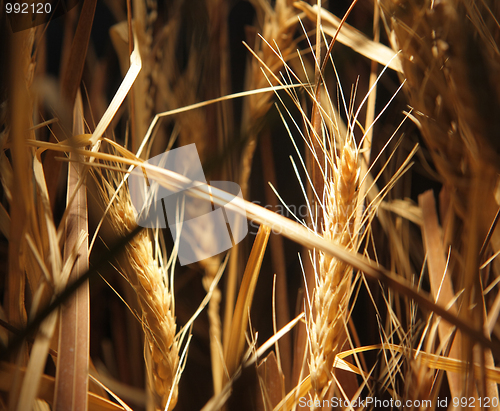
{"x": 274, "y": 47}
{"x": 450, "y": 59}
{"x": 156, "y": 302}
{"x": 334, "y": 277}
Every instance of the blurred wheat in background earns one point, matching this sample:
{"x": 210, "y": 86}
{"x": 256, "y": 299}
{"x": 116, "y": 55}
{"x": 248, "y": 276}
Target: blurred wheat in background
{"x": 364, "y": 137}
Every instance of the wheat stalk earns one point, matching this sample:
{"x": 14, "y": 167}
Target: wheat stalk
{"x": 334, "y": 277}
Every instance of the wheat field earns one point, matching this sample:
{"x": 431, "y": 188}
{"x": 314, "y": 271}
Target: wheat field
{"x": 361, "y": 136}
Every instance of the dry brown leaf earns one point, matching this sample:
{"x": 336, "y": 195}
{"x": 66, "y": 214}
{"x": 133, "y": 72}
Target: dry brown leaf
{"x": 234, "y": 350}
{"x": 271, "y": 380}
{"x": 441, "y": 287}
{"x": 46, "y": 389}
{"x": 352, "y": 37}
{"x": 74, "y": 338}
{"x": 73, "y": 70}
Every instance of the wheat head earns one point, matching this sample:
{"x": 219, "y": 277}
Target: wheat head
{"x": 450, "y": 59}
{"x": 273, "y": 48}
{"x": 155, "y": 299}
{"x": 334, "y": 277}
{"x": 449, "y": 54}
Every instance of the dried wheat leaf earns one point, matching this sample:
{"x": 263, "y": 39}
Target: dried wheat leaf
{"x": 453, "y": 365}
{"x": 405, "y": 209}
{"x": 141, "y": 102}
{"x": 46, "y": 389}
{"x": 118, "y": 399}
{"x": 128, "y": 81}
{"x": 277, "y": 250}
{"x": 7, "y": 370}
{"x": 351, "y": 37}
{"x": 304, "y": 387}
{"x": 47, "y": 241}
{"x": 21, "y": 189}
{"x": 292, "y": 399}
{"x": 73, "y": 353}
{"x": 116, "y": 389}
{"x": 97, "y": 403}
{"x": 119, "y": 38}
{"x": 234, "y": 350}
{"x": 272, "y": 382}
{"x": 73, "y": 70}
{"x": 441, "y": 287}
{"x": 41, "y": 405}
{"x": 36, "y": 364}
{"x": 255, "y": 355}
{"x": 438, "y": 362}
{"x": 4, "y": 222}
{"x": 6, "y": 175}
{"x": 493, "y": 314}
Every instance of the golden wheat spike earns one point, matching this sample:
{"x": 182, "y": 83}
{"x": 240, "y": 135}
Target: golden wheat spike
{"x": 155, "y": 299}
{"x": 334, "y": 277}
